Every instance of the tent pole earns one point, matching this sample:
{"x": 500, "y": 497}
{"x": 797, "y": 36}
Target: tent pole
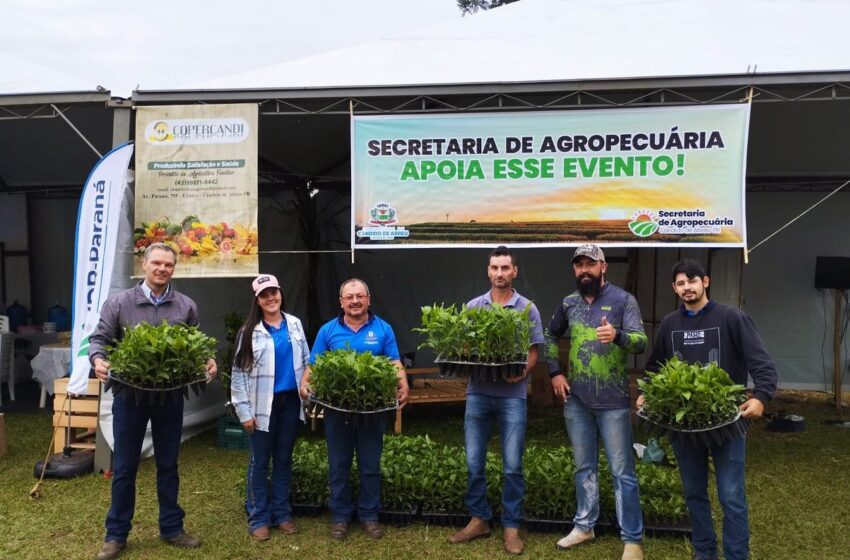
{"x": 836, "y": 348}
{"x": 102, "y": 452}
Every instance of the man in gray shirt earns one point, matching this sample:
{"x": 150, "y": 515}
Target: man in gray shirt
{"x": 502, "y": 402}
{"x": 152, "y": 300}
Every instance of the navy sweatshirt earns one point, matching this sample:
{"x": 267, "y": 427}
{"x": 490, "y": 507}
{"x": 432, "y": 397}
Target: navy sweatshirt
{"x": 717, "y": 333}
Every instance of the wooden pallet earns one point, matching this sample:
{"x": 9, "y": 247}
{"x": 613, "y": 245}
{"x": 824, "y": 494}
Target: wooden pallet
{"x": 431, "y": 390}
{"x": 76, "y": 415}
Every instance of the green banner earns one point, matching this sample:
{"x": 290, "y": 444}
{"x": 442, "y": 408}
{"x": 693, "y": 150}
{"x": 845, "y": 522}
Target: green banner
{"x": 647, "y": 177}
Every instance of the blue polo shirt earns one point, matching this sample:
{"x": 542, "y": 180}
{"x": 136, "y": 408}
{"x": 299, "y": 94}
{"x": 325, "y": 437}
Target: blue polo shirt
{"x": 284, "y": 369}
{"x": 375, "y": 336}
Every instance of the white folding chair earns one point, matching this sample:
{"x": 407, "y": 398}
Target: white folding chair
{"x": 7, "y": 363}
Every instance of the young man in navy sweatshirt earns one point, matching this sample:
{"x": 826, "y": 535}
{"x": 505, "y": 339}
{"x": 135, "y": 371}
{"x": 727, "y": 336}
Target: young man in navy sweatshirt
{"x": 704, "y": 331}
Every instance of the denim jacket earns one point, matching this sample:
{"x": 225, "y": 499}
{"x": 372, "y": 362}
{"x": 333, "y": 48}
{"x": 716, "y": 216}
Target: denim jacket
{"x": 251, "y": 392}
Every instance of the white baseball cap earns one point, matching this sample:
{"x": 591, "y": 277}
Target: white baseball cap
{"x": 262, "y": 282}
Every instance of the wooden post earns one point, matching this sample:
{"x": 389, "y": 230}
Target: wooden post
{"x": 4, "y": 448}
{"x": 836, "y": 349}
{"x": 102, "y": 452}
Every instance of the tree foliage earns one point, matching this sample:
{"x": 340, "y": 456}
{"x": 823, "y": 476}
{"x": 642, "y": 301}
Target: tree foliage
{"x": 472, "y": 6}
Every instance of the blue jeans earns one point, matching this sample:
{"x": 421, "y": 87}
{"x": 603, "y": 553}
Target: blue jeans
{"x": 585, "y": 426}
{"x": 345, "y": 433}
{"x": 272, "y": 508}
{"x": 129, "y": 423}
{"x": 510, "y": 415}
{"x": 729, "y": 474}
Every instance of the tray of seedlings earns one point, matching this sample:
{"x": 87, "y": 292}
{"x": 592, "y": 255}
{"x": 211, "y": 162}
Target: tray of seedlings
{"x": 356, "y": 383}
{"x": 155, "y": 363}
{"x": 696, "y": 401}
{"x": 486, "y": 343}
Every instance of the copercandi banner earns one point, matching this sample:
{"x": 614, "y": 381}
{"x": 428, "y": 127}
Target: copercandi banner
{"x": 624, "y": 177}
{"x": 196, "y": 187}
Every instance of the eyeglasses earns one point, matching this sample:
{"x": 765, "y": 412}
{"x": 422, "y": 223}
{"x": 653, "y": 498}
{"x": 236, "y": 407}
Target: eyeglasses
{"x": 353, "y": 297}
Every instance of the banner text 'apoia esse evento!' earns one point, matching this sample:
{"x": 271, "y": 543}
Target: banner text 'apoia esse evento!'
{"x": 647, "y": 177}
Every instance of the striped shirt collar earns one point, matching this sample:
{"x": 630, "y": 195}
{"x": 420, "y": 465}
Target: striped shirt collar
{"x": 149, "y": 294}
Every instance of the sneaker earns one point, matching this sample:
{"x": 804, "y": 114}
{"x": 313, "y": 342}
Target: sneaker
{"x": 184, "y": 540}
{"x": 475, "y": 529}
{"x": 576, "y": 536}
{"x": 110, "y": 550}
{"x": 632, "y": 551}
{"x": 513, "y": 543}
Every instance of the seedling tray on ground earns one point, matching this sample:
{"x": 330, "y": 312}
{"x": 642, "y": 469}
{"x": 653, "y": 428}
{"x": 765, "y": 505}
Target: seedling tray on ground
{"x": 308, "y": 510}
{"x": 399, "y": 518}
{"x": 445, "y": 519}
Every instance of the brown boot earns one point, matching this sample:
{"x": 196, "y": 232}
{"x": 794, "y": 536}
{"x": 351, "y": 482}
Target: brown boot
{"x": 184, "y": 540}
{"x": 513, "y": 542}
{"x": 339, "y": 530}
{"x": 260, "y": 534}
{"x": 373, "y": 529}
{"x": 475, "y": 529}
{"x": 288, "y": 527}
{"x": 110, "y": 550}
{"x": 632, "y": 551}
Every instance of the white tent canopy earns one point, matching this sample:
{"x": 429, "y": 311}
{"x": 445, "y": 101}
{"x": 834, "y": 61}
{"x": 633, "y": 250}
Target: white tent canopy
{"x": 572, "y": 54}
{"x": 574, "y": 40}
{"x": 533, "y": 54}
{"x": 20, "y": 77}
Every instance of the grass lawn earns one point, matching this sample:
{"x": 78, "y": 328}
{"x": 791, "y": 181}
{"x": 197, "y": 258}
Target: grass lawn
{"x": 796, "y": 485}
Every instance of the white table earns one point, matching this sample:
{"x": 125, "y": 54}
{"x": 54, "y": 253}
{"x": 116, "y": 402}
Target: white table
{"x": 52, "y": 362}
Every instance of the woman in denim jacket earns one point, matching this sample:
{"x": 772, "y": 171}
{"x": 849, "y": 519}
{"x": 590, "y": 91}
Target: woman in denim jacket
{"x": 271, "y": 355}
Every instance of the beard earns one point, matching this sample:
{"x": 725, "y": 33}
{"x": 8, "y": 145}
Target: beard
{"x": 691, "y": 296}
{"x": 589, "y": 288}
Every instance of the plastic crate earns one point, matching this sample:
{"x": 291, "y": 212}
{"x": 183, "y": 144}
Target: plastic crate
{"x": 231, "y": 435}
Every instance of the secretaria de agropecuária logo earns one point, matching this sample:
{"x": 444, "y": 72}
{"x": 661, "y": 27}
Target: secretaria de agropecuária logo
{"x": 643, "y": 223}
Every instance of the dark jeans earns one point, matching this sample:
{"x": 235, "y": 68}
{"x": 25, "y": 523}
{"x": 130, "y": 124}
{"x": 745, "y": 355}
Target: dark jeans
{"x": 129, "y": 423}
{"x": 273, "y": 508}
{"x": 345, "y": 433}
{"x": 729, "y": 474}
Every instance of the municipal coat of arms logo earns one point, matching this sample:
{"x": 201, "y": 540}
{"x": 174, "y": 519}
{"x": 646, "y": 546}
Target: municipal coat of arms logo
{"x": 382, "y": 214}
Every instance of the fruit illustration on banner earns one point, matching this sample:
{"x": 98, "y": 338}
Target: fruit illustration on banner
{"x": 192, "y": 239}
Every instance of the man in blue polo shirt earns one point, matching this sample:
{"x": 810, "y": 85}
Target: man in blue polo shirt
{"x": 503, "y": 403}
{"x": 359, "y": 329}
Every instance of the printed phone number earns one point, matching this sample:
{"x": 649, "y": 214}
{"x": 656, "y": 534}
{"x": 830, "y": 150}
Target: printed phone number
{"x": 195, "y": 182}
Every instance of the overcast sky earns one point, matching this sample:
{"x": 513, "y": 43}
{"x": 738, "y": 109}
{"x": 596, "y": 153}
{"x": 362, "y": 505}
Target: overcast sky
{"x": 174, "y": 43}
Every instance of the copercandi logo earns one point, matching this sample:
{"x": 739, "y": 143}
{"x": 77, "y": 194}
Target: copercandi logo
{"x": 643, "y": 223}
{"x": 197, "y": 131}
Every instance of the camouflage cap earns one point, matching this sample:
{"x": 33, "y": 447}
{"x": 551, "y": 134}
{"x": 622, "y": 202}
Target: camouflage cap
{"x": 590, "y": 251}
